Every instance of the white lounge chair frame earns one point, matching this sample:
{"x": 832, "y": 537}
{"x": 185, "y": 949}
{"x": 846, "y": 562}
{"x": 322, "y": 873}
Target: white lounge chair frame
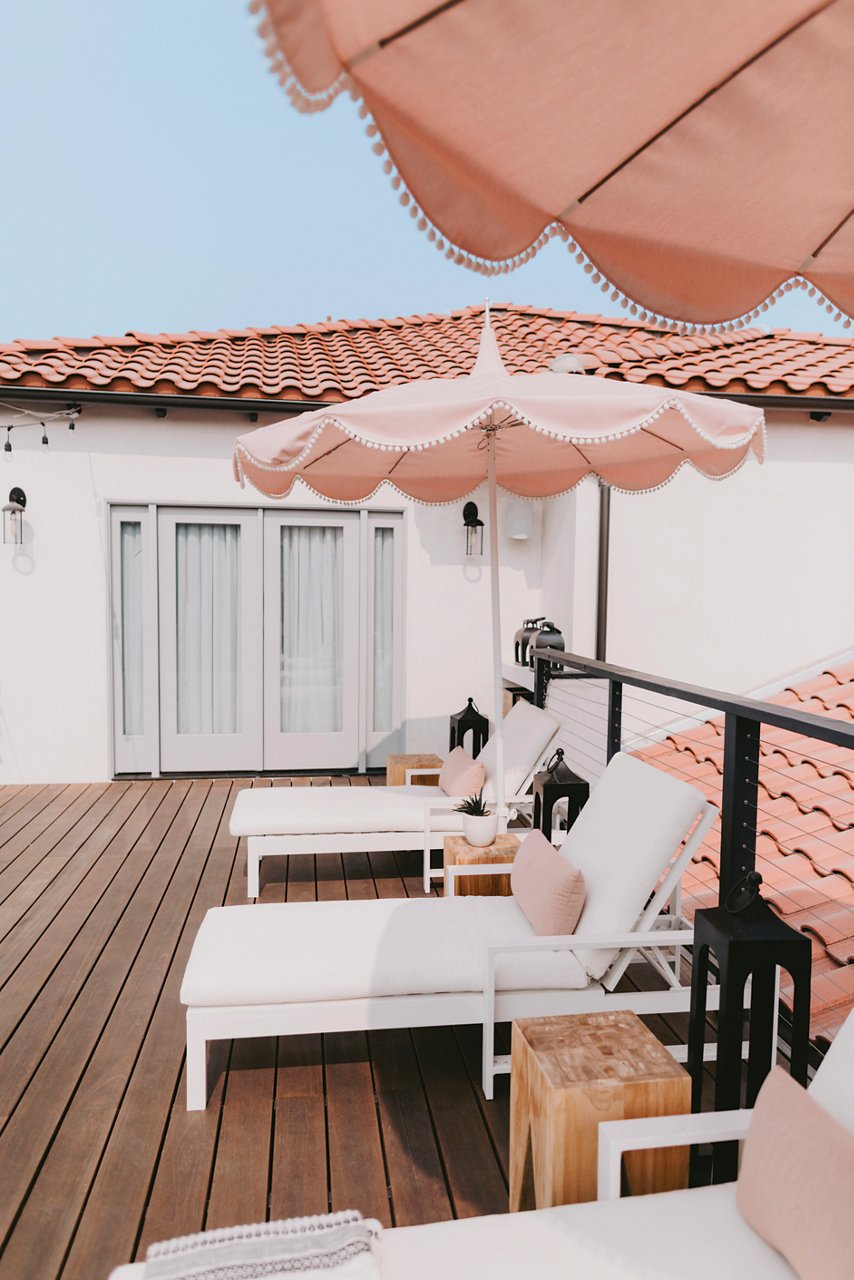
{"x": 663, "y": 945}
{"x": 616, "y": 1137}
{"x": 425, "y": 840}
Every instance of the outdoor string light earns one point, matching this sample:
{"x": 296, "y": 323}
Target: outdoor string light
{"x": 26, "y": 419}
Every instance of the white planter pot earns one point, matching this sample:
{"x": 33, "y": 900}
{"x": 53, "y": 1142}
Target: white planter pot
{"x": 480, "y": 831}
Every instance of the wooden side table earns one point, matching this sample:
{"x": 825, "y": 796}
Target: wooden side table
{"x": 458, "y": 852}
{"x": 570, "y": 1073}
{"x": 396, "y": 766}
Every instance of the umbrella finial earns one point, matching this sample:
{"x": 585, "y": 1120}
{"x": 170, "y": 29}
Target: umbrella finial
{"x": 488, "y": 356}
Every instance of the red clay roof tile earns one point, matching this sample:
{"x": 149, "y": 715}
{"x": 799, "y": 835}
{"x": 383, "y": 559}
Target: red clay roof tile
{"x": 342, "y": 359}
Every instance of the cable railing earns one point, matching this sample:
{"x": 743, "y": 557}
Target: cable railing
{"x": 605, "y": 708}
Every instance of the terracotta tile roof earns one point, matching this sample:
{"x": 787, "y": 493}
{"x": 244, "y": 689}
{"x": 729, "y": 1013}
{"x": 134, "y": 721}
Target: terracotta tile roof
{"x": 805, "y": 832}
{"x": 342, "y": 359}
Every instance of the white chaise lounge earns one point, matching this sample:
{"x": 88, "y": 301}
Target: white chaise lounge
{"x": 280, "y": 821}
{"x": 698, "y": 1233}
{"x": 289, "y": 968}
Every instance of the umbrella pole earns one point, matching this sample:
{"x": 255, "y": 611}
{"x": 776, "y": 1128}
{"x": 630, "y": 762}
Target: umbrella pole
{"x": 497, "y": 685}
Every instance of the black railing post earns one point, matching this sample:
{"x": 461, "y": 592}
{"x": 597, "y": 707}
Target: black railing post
{"x": 615, "y": 717}
{"x": 738, "y": 800}
{"x": 541, "y": 680}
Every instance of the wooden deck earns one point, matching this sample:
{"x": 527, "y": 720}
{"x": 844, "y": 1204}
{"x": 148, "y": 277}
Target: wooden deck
{"x": 102, "y": 889}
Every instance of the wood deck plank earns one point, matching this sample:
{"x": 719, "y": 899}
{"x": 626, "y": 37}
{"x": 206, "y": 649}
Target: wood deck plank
{"x": 34, "y": 835}
{"x": 19, "y": 816}
{"x": 357, "y": 1177}
{"x": 145, "y": 1107}
{"x": 299, "y": 1176}
{"x": 98, "y": 1155}
{"x": 26, "y": 926}
{"x": 474, "y": 1175}
{"x": 115, "y": 999}
{"x": 419, "y": 1192}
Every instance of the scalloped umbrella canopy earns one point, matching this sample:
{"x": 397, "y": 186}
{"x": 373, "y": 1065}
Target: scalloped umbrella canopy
{"x": 699, "y": 157}
{"x": 547, "y": 431}
{"x": 533, "y": 434}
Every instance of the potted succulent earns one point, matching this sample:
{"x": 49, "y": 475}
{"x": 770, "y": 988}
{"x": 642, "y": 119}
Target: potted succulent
{"x": 480, "y": 824}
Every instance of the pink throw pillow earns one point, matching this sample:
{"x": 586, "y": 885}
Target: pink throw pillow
{"x": 796, "y": 1181}
{"x": 460, "y": 775}
{"x": 549, "y": 890}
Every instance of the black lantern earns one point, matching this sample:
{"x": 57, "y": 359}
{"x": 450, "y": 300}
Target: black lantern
{"x": 557, "y": 782}
{"x": 469, "y": 720}
{"x": 749, "y": 940}
{"x": 474, "y": 530}
{"x": 13, "y": 517}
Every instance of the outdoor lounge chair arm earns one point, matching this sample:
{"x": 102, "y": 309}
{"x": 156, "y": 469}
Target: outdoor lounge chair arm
{"x": 453, "y": 873}
{"x": 603, "y": 941}
{"x": 421, "y": 772}
{"x": 649, "y": 1133}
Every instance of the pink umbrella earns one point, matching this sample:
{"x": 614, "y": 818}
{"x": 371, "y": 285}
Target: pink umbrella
{"x": 532, "y": 434}
{"x": 695, "y": 155}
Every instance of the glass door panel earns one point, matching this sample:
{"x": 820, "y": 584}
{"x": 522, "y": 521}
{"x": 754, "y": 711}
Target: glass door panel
{"x": 384, "y": 570}
{"x": 134, "y": 603}
{"x": 210, "y": 611}
{"x": 311, "y": 660}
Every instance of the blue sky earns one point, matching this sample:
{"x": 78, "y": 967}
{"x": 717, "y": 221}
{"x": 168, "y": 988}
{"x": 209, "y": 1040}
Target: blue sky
{"x": 155, "y": 177}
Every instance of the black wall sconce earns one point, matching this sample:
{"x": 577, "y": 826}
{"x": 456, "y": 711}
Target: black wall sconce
{"x": 13, "y": 517}
{"x": 474, "y": 530}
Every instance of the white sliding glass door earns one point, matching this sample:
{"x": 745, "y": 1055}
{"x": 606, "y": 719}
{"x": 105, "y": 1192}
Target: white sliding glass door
{"x": 250, "y": 640}
{"x": 210, "y": 653}
{"x": 311, "y": 640}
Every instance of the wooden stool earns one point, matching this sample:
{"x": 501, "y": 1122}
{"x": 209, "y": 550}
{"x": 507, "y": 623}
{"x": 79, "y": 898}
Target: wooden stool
{"x": 396, "y": 766}
{"x": 458, "y": 852}
{"x": 568, "y": 1074}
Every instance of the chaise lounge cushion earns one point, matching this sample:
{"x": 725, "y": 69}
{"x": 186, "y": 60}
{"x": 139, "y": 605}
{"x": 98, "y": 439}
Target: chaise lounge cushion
{"x": 269, "y": 811}
{"x": 673, "y": 1235}
{"x": 668, "y": 1236}
{"x": 296, "y": 952}
{"x": 528, "y": 730}
{"x": 622, "y": 841}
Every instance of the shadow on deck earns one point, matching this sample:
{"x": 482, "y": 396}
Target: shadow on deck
{"x": 102, "y": 889}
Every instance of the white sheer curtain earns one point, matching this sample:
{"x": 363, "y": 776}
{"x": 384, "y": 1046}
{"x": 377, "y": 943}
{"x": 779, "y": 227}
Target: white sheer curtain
{"x": 130, "y": 554}
{"x": 312, "y": 629}
{"x": 207, "y": 582}
{"x": 383, "y": 630}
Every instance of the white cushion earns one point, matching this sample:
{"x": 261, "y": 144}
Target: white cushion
{"x": 667, "y": 1237}
{"x": 622, "y": 840}
{"x": 528, "y": 730}
{"x": 284, "y": 811}
{"x": 290, "y": 953}
{"x": 831, "y": 1084}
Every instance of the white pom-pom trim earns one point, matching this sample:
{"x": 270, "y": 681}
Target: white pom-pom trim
{"x": 307, "y": 101}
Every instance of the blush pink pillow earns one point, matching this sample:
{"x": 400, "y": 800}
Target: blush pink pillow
{"x": 549, "y": 890}
{"x": 460, "y": 775}
{"x": 796, "y": 1181}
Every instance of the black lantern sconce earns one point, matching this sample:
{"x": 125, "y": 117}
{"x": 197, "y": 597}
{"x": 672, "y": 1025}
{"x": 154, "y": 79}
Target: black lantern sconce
{"x": 13, "y": 517}
{"x": 474, "y": 530}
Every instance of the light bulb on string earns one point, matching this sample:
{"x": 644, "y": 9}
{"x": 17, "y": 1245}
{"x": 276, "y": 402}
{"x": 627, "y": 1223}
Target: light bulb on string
{"x": 7, "y": 447}
{"x": 45, "y": 440}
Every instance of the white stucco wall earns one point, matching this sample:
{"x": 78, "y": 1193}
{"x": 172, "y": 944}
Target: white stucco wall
{"x": 731, "y": 585}
{"x": 55, "y": 696}
{"x": 735, "y": 584}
